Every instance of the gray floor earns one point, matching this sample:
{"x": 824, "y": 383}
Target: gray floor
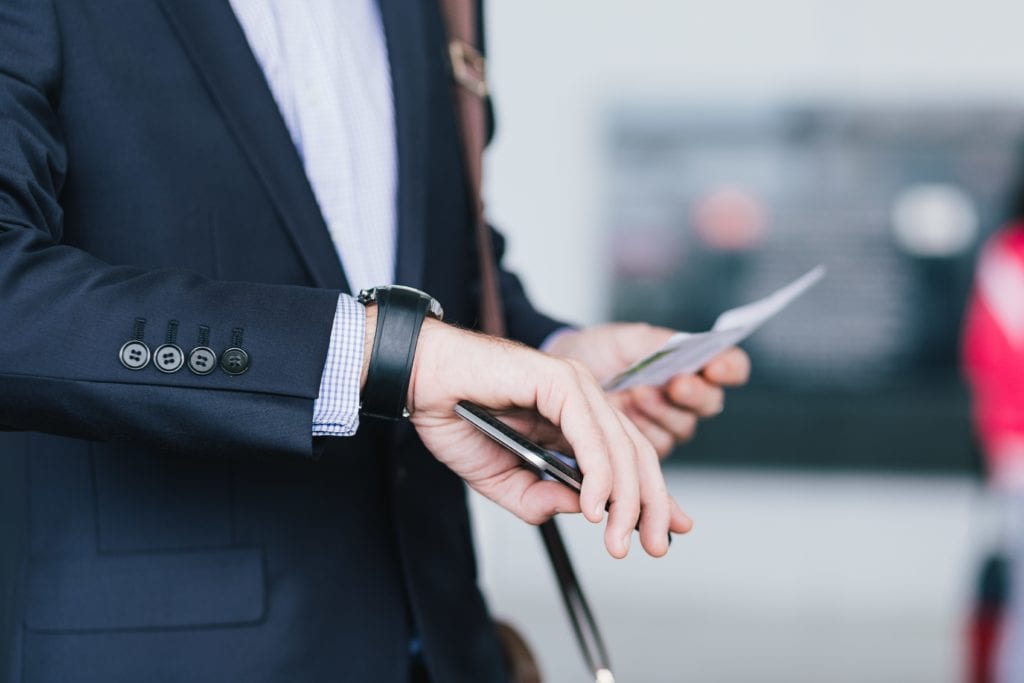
{"x": 786, "y": 577}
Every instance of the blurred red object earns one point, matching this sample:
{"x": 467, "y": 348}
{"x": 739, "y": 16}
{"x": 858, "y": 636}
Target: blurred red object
{"x": 993, "y": 355}
{"x": 730, "y": 219}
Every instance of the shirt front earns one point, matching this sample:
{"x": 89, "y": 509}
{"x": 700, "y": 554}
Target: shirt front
{"x": 326, "y": 64}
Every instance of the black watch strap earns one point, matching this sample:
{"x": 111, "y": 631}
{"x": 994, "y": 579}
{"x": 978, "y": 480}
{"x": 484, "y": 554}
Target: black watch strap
{"x": 400, "y": 314}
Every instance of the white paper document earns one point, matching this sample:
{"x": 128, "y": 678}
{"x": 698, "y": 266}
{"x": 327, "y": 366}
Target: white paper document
{"x": 685, "y": 352}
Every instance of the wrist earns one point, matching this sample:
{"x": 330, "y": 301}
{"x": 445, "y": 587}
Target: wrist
{"x": 428, "y": 341}
{"x": 369, "y": 334}
{"x": 560, "y": 342}
{"x": 395, "y": 316}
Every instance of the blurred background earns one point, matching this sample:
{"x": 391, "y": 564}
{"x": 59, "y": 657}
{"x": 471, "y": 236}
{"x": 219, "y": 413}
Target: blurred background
{"x": 664, "y": 161}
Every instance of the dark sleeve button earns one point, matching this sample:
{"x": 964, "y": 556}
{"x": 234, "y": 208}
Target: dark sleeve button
{"x": 134, "y": 354}
{"x": 234, "y": 361}
{"x": 202, "y": 360}
{"x": 168, "y": 358}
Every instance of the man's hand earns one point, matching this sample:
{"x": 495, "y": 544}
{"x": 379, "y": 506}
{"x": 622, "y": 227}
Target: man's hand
{"x": 666, "y": 415}
{"x": 619, "y": 465}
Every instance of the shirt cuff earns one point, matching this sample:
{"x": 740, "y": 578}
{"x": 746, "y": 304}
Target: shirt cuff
{"x": 336, "y": 409}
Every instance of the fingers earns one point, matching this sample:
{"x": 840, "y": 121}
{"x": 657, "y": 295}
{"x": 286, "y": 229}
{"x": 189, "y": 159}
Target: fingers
{"x": 625, "y": 444}
{"x": 639, "y": 492}
{"x": 638, "y": 487}
{"x": 606, "y": 446}
{"x": 620, "y": 466}
{"x": 625, "y": 499}
{"x": 564, "y": 400}
{"x": 636, "y": 340}
{"x": 655, "y": 503}
{"x": 518, "y": 489}
{"x": 681, "y": 522}
{"x": 654, "y": 407}
{"x": 694, "y": 393}
{"x": 729, "y": 369}
{"x": 662, "y": 440}
{"x": 540, "y": 500}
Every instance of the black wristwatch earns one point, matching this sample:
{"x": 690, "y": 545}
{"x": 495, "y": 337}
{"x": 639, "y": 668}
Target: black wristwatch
{"x": 400, "y": 314}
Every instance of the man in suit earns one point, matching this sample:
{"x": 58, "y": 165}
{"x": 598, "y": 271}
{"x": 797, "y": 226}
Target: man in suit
{"x": 191, "y": 191}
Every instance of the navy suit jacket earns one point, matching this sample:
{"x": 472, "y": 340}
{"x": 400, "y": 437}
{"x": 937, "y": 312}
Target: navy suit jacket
{"x": 178, "y": 527}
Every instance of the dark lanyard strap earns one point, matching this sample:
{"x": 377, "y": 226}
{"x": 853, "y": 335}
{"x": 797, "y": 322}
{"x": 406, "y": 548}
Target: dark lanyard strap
{"x": 587, "y": 634}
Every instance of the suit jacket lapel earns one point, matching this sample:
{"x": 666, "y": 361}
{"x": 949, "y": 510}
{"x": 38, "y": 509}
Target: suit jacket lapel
{"x": 211, "y": 34}
{"x": 404, "y": 24}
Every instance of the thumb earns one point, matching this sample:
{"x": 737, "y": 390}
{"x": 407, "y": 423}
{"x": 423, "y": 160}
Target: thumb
{"x": 636, "y": 340}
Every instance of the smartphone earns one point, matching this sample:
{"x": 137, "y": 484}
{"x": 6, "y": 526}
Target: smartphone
{"x": 540, "y": 459}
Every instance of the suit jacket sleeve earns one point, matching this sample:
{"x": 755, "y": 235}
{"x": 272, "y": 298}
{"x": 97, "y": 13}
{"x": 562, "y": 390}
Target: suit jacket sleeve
{"x": 64, "y": 314}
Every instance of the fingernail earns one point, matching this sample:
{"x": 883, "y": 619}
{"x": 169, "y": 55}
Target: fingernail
{"x": 626, "y": 540}
{"x": 599, "y": 512}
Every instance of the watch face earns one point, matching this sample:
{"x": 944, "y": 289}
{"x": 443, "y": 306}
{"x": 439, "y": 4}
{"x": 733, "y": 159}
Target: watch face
{"x": 368, "y": 296}
{"x": 434, "y": 307}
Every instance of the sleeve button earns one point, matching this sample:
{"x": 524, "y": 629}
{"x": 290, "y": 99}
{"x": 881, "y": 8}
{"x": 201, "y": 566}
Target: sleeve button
{"x": 169, "y": 358}
{"x": 134, "y": 355}
{"x": 202, "y": 360}
{"x": 234, "y": 361}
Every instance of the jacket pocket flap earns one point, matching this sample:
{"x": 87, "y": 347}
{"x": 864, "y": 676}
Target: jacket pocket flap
{"x": 146, "y": 591}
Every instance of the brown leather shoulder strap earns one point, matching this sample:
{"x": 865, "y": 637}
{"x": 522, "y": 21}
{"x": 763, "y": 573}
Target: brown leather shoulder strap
{"x": 470, "y": 89}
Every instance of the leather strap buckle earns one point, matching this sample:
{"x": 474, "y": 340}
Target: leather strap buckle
{"x": 468, "y": 67}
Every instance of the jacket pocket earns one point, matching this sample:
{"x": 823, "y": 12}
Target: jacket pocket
{"x": 224, "y": 587}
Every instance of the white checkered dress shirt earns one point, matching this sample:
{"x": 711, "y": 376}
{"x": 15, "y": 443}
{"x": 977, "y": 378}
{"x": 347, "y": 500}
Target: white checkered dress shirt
{"x": 327, "y": 66}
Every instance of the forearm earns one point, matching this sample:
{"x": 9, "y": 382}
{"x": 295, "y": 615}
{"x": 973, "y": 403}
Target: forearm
{"x": 67, "y": 315}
